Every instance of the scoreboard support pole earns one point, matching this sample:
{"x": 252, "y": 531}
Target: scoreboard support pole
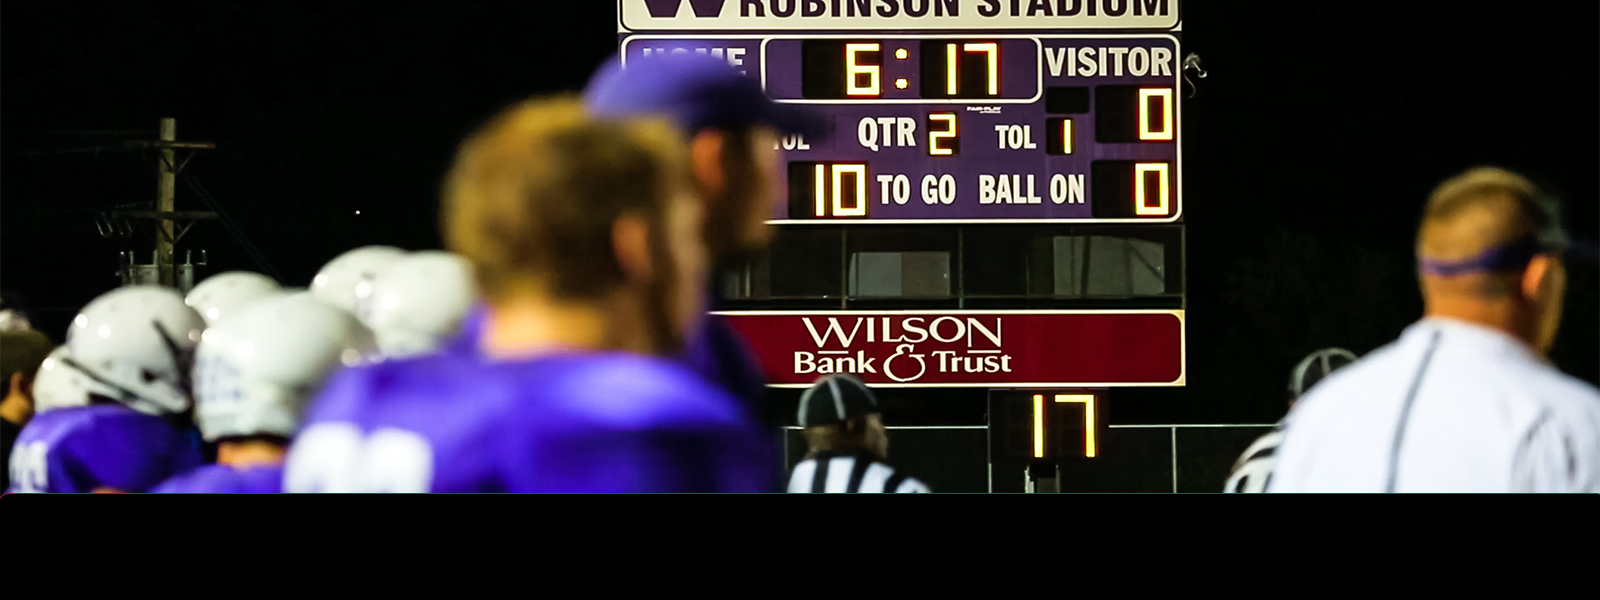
{"x": 1043, "y": 478}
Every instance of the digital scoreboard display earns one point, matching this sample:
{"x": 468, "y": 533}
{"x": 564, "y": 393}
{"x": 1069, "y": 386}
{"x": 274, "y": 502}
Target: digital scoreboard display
{"x": 955, "y": 118}
{"x": 975, "y": 112}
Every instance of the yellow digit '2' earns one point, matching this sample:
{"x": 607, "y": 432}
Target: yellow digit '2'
{"x": 935, "y": 136}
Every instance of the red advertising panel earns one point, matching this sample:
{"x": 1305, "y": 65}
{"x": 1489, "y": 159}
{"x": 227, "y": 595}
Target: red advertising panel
{"x": 1135, "y": 348}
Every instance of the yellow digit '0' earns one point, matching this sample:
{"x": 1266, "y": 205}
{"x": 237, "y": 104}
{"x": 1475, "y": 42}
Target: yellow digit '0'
{"x": 1089, "y": 446}
{"x": 1141, "y": 195}
{"x": 853, "y": 68}
{"x": 1146, "y": 132}
{"x": 860, "y": 209}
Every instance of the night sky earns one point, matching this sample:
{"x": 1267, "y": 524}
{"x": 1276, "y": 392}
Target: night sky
{"x": 1309, "y": 149}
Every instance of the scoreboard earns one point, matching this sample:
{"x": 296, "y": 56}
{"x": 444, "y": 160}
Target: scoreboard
{"x": 942, "y": 124}
{"x": 1059, "y": 121}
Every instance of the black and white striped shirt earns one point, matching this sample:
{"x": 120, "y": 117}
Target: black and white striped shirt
{"x": 1253, "y": 470}
{"x": 850, "y": 472}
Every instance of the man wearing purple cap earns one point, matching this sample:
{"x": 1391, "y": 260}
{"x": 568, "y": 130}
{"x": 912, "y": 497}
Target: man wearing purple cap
{"x": 732, "y": 128}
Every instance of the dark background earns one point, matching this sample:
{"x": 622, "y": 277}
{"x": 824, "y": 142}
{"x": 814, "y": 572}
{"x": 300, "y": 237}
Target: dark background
{"x": 1309, "y": 149}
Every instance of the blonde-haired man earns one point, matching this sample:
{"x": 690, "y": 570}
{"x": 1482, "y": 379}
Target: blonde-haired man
{"x": 584, "y": 237}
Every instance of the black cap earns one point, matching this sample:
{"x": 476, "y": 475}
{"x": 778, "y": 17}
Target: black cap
{"x": 834, "y": 399}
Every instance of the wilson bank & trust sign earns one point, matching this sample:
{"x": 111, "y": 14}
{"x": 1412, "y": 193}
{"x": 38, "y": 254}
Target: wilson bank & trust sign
{"x": 970, "y": 348}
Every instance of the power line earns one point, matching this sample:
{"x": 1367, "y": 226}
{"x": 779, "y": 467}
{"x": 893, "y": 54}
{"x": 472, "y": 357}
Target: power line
{"x": 227, "y": 221}
{"x": 87, "y": 132}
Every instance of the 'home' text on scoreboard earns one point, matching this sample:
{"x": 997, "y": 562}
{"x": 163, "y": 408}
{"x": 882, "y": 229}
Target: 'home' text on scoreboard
{"x": 961, "y": 124}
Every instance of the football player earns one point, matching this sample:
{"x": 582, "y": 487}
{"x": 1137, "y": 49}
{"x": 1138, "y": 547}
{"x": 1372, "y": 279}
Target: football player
{"x": 253, "y": 375}
{"x": 732, "y": 130}
{"x": 416, "y": 303}
{"x": 222, "y": 294}
{"x": 336, "y": 282}
{"x": 136, "y": 343}
{"x": 583, "y": 236}
{"x": 60, "y": 386}
{"x": 22, "y": 353}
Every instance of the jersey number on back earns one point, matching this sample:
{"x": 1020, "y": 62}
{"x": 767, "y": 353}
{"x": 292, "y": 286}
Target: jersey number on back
{"x": 29, "y": 471}
{"x": 337, "y": 458}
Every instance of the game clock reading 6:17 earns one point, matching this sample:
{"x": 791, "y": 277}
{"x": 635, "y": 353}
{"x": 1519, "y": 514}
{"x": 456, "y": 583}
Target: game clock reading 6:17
{"x": 992, "y": 129}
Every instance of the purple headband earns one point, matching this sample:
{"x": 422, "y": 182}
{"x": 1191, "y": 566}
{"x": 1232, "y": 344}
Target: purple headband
{"x": 1510, "y": 257}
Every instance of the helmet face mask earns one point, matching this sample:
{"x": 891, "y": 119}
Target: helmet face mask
{"x": 59, "y": 384}
{"x": 1316, "y": 367}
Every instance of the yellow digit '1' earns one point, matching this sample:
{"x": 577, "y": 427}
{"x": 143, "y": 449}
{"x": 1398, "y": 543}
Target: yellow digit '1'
{"x": 821, "y": 194}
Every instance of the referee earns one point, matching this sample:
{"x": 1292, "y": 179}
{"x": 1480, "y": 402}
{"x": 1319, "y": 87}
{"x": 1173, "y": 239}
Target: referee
{"x": 844, "y": 428}
{"x": 1254, "y": 468}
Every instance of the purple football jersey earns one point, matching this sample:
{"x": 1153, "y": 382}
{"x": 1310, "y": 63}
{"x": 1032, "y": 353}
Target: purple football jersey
{"x": 85, "y": 448}
{"x": 586, "y": 422}
{"x": 224, "y": 479}
{"x": 712, "y": 349}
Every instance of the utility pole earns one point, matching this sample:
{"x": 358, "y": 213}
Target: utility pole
{"x": 170, "y": 224}
{"x": 166, "y": 191}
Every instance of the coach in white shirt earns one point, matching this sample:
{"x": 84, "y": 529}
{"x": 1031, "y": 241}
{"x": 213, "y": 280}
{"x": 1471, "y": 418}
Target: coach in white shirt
{"x": 1465, "y": 400}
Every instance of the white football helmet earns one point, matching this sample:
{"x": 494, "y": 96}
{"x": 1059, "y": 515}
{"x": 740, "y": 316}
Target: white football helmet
{"x": 224, "y": 293}
{"x": 139, "y": 342}
{"x": 414, "y": 304}
{"x": 11, "y": 321}
{"x": 59, "y": 385}
{"x": 336, "y": 282}
{"x": 255, "y": 373}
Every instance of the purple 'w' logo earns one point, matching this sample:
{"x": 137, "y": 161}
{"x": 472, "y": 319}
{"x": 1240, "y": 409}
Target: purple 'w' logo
{"x": 666, "y": 9}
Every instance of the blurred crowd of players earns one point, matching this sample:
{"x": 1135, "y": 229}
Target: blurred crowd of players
{"x": 564, "y": 341}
